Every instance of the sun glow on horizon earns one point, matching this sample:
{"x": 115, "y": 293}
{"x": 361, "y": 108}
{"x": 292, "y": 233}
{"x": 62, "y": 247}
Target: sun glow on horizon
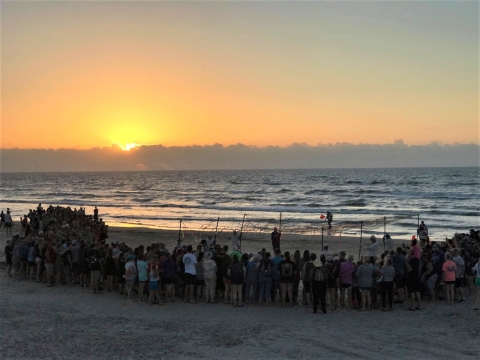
{"x": 127, "y": 147}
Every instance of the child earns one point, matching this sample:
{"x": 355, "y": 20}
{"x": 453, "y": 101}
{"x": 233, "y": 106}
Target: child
{"x": 153, "y": 283}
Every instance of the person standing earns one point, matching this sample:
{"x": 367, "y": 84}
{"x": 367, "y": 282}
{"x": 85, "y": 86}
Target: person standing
{"x": 210, "y": 276}
{"x": 236, "y": 272}
{"x": 8, "y": 255}
{"x": 8, "y": 223}
{"x": 388, "y": 275}
{"x": 275, "y": 237}
{"x": 329, "y": 219}
{"x": 476, "y": 271}
{"x": 373, "y": 247}
{"x": 449, "y": 269}
{"x": 319, "y": 278}
{"x": 459, "y": 274}
{"x": 95, "y": 215}
{"x": 50, "y": 259}
{"x": 265, "y": 279}
{"x": 189, "y": 260}
{"x": 347, "y": 269}
{"x": 287, "y": 270}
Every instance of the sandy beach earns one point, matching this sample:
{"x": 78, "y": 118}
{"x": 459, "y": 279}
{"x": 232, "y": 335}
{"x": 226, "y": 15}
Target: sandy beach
{"x": 70, "y": 322}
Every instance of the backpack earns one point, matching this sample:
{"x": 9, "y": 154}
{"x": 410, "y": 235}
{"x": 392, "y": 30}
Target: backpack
{"x": 287, "y": 269}
{"x": 266, "y": 268}
{"x": 321, "y": 274}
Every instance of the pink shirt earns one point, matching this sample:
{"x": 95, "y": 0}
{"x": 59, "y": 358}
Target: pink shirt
{"x": 417, "y": 252}
{"x": 346, "y": 270}
{"x": 449, "y": 268}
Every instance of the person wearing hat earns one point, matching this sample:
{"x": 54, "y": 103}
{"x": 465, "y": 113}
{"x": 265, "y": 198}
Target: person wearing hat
{"x": 210, "y": 277}
{"x": 319, "y": 278}
{"x": 373, "y": 247}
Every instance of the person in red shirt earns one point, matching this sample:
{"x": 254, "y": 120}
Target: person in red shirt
{"x": 449, "y": 268}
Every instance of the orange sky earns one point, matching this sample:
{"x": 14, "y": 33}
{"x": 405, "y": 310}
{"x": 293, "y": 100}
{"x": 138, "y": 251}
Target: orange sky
{"x": 83, "y": 75}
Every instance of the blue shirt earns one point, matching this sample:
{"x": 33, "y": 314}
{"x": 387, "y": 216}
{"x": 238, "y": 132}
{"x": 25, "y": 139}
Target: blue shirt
{"x": 276, "y": 260}
{"x": 142, "y": 269}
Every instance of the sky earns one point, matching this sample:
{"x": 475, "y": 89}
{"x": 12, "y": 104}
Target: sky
{"x": 83, "y": 75}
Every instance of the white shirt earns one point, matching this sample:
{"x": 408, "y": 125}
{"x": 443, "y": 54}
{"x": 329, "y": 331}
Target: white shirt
{"x": 234, "y": 241}
{"x": 373, "y": 249}
{"x": 190, "y": 260}
{"x": 389, "y": 244}
{"x": 8, "y": 218}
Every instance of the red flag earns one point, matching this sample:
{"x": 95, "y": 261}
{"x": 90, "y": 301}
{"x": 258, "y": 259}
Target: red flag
{"x": 322, "y": 216}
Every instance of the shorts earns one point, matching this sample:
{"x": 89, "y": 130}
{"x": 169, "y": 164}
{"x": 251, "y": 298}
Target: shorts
{"x": 227, "y": 282}
{"x": 168, "y": 280}
{"x": 8, "y": 224}
{"x": 153, "y": 285}
{"x": 38, "y": 260}
{"x": 95, "y": 274}
{"x": 399, "y": 282}
{"x": 307, "y": 287}
{"x": 477, "y": 281}
{"x": 130, "y": 281}
{"x": 200, "y": 282}
{"x": 190, "y": 279}
{"x": 459, "y": 283}
{"x": 31, "y": 263}
{"x": 450, "y": 282}
{"x": 362, "y": 289}
{"x": 345, "y": 286}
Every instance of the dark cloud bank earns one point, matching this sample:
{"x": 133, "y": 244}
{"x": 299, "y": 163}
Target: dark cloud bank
{"x": 213, "y": 157}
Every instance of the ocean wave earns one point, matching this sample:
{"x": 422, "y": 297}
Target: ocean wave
{"x": 143, "y": 200}
{"x": 314, "y": 205}
{"x": 285, "y": 190}
{"x": 355, "y": 203}
{"x": 358, "y": 182}
{"x": 310, "y": 192}
{"x": 379, "y": 182}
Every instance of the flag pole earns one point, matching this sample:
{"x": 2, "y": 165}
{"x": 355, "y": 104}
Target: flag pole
{"x": 241, "y": 231}
{"x": 216, "y": 228}
{"x": 322, "y": 238}
{"x": 361, "y": 234}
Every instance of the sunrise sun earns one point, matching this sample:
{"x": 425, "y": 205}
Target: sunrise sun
{"x": 129, "y": 147}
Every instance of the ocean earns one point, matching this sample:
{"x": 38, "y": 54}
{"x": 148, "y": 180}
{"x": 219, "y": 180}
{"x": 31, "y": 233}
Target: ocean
{"x": 447, "y": 199}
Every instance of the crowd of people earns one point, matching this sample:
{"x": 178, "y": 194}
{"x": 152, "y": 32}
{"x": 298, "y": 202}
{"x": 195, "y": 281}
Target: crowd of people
{"x": 61, "y": 246}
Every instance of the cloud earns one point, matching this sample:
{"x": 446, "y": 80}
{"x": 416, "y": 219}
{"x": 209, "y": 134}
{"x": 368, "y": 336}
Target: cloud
{"x": 240, "y": 156}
